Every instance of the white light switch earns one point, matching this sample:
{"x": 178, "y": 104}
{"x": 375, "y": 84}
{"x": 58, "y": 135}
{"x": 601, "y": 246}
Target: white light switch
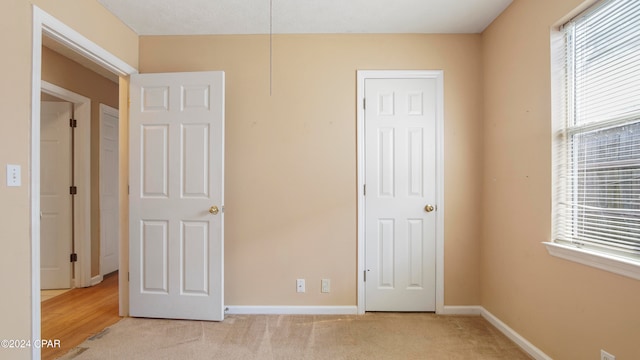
{"x": 13, "y": 175}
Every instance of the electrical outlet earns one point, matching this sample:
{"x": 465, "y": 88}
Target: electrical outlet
{"x": 326, "y": 285}
{"x": 606, "y": 356}
{"x": 300, "y": 285}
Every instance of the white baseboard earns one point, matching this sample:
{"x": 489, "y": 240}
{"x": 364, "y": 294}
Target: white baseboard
{"x": 96, "y": 280}
{"x": 525, "y": 345}
{"x": 528, "y": 347}
{"x": 461, "y": 310}
{"x": 291, "y": 310}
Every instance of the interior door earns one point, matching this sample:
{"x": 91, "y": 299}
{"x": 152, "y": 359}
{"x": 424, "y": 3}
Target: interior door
{"x": 176, "y": 195}
{"x": 55, "y": 199}
{"x": 109, "y": 208}
{"x": 400, "y": 178}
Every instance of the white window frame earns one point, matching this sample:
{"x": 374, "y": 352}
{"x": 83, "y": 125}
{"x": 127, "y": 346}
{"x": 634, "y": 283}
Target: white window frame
{"x": 594, "y": 258}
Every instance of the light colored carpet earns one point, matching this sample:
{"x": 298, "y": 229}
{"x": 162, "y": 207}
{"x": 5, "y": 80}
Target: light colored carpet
{"x": 247, "y": 337}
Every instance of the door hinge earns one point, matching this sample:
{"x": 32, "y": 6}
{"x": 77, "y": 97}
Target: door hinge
{"x": 365, "y": 275}
{"x": 127, "y": 276}
{"x": 364, "y": 103}
{"x": 73, "y": 257}
{"x": 364, "y": 189}
{"x": 73, "y": 190}
{"x": 73, "y": 123}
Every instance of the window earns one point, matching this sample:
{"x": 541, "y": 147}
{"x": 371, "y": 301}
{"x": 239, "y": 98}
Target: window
{"x": 597, "y": 154}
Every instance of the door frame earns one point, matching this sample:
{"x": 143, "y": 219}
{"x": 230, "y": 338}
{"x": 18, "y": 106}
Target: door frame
{"x": 82, "y": 164}
{"x": 438, "y": 75}
{"x": 106, "y": 110}
{"x": 46, "y": 25}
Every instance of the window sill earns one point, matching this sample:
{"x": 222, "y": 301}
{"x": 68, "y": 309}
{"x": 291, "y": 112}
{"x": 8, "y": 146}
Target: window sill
{"x": 598, "y": 260}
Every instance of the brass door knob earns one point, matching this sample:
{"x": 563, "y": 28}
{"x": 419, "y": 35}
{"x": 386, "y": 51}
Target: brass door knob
{"x": 429, "y": 208}
{"x": 214, "y": 210}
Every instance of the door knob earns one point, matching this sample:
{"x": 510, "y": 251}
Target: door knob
{"x": 429, "y": 208}
{"x": 214, "y": 210}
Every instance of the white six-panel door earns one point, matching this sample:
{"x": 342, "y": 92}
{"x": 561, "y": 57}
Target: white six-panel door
{"x": 176, "y": 195}
{"x": 400, "y": 178}
{"x": 109, "y": 207}
{"x": 55, "y": 199}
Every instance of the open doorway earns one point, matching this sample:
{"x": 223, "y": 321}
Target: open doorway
{"x": 47, "y": 27}
{"x": 76, "y": 214}
{"x": 96, "y": 127}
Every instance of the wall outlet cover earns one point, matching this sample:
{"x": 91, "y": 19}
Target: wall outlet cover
{"x": 325, "y": 285}
{"x": 606, "y": 356}
{"x": 300, "y": 285}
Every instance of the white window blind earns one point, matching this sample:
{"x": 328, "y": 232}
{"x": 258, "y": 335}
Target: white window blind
{"x": 597, "y": 202}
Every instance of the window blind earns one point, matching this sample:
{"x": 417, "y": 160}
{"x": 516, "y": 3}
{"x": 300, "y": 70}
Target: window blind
{"x": 597, "y": 202}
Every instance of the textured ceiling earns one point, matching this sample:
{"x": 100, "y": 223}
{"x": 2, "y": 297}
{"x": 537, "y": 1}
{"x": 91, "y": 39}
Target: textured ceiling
{"x": 191, "y": 17}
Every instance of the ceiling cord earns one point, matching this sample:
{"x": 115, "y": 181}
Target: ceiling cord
{"x": 270, "y": 47}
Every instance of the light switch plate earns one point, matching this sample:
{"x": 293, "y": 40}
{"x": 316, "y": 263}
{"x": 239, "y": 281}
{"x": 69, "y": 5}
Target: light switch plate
{"x": 13, "y": 175}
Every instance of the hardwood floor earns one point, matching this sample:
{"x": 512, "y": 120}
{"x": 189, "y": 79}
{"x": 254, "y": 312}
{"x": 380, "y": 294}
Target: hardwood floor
{"x": 79, "y": 314}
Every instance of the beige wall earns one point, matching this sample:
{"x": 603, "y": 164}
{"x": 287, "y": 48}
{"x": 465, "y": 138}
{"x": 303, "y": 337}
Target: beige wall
{"x": 568, "y": 310}
{"x": 290, "y": 207}
{"x": 96, "y": 23}
{"x": 291, "y": 169}
{"x": 74, "y": 77}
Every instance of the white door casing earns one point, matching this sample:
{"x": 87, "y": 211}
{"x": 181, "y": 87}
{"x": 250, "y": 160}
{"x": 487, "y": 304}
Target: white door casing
{"x": 55, "y": 200}
{"x": 176, "y": 195}
{"x": 109, "y": 191}
{"x": 400, "y": 132}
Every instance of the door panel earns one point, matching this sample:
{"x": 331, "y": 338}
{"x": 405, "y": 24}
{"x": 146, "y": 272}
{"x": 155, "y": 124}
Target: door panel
{"x": 154, "y": 262}
{"x": 195, "y": 167}
{"x": 55, "y": 199}
{"x": 176, "y": 233}
{"x": 195, "y": 247}
{"x": 155, "y": 158}
{"x": 400, "y": 172}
